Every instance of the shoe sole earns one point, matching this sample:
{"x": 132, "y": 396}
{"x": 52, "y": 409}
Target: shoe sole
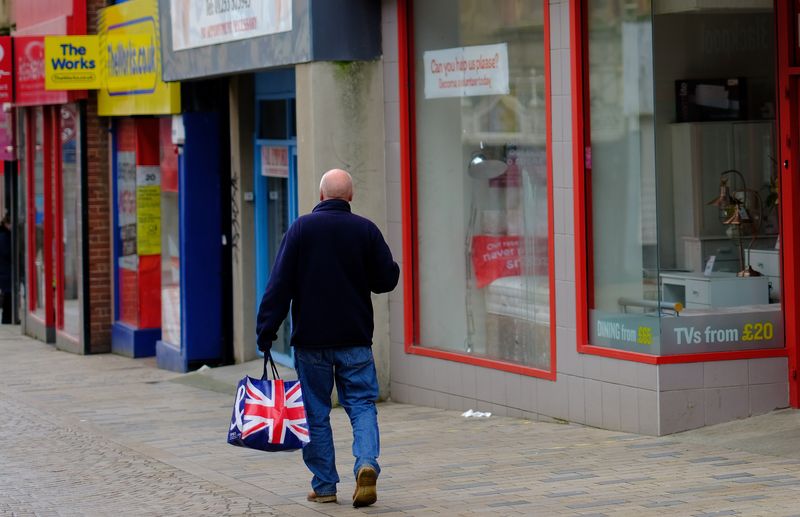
{"x": 321, "y": 498}
{"x": 366, "y": 491}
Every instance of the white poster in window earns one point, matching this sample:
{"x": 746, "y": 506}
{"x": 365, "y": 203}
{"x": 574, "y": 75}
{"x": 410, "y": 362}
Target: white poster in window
{"x": 198, "y": 23}
{"x": 466, "y": 71}
{"x": 275, "y": 161}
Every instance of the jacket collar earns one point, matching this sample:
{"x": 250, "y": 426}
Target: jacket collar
{"x": 338, "y": 205}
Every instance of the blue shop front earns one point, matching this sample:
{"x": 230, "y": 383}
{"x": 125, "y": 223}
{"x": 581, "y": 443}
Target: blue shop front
{"x": 167, "y": 172}
{"x": 259, "y": 61}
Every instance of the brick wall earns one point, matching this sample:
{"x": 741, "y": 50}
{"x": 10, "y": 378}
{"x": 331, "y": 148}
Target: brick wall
{"x": 98, "y": 229}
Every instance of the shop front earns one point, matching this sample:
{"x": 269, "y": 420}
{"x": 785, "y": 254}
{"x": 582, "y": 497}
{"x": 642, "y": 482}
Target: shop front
{"x": 596, "y": 215}
{"x": 10, "y": 172}
{"x": 142, "y": 161}
{"x": 169, "y": 242}
{"x": 266, "y": 51}
{"x": 681, "y": 202}
{"x": 51, "y": 149}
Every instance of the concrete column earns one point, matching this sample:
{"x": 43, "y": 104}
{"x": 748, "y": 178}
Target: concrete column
{"x": 242, "y": 120}
{"x": 340, "y": 124}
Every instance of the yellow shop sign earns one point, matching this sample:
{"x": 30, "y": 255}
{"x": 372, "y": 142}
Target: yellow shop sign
{"x": 131, "y": 64}
{"x": 72, "y": 63}
{"x": 130, "y": 47}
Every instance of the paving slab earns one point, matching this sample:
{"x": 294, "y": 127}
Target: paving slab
{"x": 108, "y": 435}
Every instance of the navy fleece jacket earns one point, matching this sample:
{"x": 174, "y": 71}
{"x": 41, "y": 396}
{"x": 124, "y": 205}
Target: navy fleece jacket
{"x": 327, "y": 265}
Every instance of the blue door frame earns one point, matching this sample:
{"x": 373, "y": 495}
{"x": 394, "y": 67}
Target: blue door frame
{"x": 275, "y": 85}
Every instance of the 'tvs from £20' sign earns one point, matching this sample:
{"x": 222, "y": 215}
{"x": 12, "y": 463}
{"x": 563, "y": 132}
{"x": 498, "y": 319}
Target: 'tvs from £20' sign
{"x": 72, "y": 63}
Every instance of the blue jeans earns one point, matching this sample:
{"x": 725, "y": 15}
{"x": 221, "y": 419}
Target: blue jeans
{"x": 353, "y": 369}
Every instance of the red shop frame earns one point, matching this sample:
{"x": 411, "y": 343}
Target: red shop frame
{"x": 47, "y": 193}
{"x": 411, "y": 316}
{"x": 581, "y": 135}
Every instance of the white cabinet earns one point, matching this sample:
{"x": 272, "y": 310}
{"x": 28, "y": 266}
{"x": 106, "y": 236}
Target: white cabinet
{"x": 767, "y": 262}
{"x": 697, "y": 291}
{"x": 701, "y": 152}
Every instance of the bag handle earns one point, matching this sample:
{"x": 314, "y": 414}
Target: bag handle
{"x": 268, "y": 359}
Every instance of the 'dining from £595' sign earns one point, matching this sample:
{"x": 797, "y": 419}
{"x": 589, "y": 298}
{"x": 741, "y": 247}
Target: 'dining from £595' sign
{"x": 71, "y": 63}
{"x": 130, "y": 48}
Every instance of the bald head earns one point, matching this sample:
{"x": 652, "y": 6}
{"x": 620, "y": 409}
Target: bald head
{"x": 336, "y": 184}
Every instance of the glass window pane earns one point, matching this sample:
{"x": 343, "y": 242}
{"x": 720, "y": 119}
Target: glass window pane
{"x": 71, "y": 198}
{"x": 38, "y": 186}
{"x": 623, "y": 268}
{"x": 277, "y": 225}
{"x": 273, "y": 121}
{"x": 127, "y": 258}
{"x": 22, "y": 204}
{"x": 482, "y": 182}
{"x": 170, "y": 239}
{"x": 681, "y": 179}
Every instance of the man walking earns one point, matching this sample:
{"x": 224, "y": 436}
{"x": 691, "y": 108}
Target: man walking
{"x": 327, "y": 265}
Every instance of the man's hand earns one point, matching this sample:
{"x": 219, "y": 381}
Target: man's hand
{"x": 264, "y": 346}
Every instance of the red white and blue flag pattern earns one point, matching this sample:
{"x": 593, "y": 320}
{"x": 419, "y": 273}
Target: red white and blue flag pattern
{"x": 268, "y": 415}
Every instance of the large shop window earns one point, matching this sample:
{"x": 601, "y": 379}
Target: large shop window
{"x": 480, "y": 183}
{"x": 69, "y": 232}
{"x": 681, "y": 249}
{"x": 38, "y": 281}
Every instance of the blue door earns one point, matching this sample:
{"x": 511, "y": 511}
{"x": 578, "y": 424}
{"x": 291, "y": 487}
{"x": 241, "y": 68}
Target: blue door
{"x": 275, "y": 180}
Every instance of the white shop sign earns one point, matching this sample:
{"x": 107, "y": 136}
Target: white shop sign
{"x": 466, "y": 71}
{"x": 198, "y": 23}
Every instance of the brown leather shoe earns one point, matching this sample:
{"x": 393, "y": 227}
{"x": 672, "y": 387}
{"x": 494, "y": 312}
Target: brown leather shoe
{"x": 314, "y": 498}
{"x": 366, "y": 492}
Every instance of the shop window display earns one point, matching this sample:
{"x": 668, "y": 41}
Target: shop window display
{"x": 481, "y": 174}
{"x": 170, "y": 237}
{"x": 680, "y": 178}
{"x": 38, "y": 283}
{"x": 128, "y": 260}
{"x": 70, "y": 314}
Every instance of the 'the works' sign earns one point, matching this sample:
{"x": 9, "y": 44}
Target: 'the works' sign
{"x": 72, "y": 63}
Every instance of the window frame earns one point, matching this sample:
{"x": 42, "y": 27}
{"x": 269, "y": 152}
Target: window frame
{"x": 411, "y": 312}
{"x": 581, "y": 135}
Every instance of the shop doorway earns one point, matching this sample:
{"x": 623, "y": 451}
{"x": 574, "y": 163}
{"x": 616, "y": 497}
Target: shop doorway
{"x": 788, "y": 55}
{"x": 275, "y": 181}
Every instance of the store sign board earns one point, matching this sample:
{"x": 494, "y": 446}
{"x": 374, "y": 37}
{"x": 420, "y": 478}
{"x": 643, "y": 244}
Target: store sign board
{"x": 197, "y": 23}
{"x": 130, "y": 46}
{"x": 72, "y": 63}
{"x": 6, "y": 70}
{"x": 721, "y": 330}
{"x": 29, "y": 75}
{"x": 466, "y": 71}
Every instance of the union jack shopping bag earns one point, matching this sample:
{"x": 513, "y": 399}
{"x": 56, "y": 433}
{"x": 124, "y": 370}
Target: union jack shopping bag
{"x": 268, "y": 415}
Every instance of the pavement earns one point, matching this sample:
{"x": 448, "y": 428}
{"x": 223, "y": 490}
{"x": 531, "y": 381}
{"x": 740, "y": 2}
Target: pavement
{"x": 107, "y": 435}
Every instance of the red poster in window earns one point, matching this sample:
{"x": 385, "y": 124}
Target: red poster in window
{"x": 29, "y": 73}
{"x": 494, "y": 257}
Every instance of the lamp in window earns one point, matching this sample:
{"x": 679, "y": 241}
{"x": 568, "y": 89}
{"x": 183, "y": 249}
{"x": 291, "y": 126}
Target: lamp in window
{"x": 740, "y": 209}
